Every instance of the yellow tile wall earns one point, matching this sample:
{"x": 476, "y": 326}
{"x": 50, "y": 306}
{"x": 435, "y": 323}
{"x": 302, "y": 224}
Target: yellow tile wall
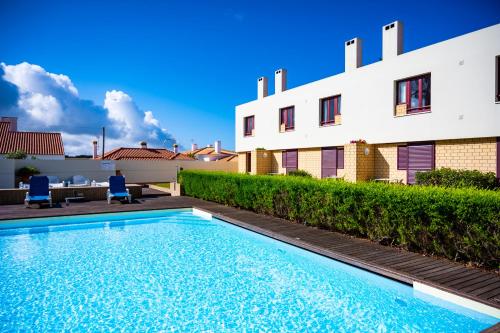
{"x": 470, "y": 154}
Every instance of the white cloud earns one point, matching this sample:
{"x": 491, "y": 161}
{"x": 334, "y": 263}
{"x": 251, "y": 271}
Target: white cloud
{"x": 50, "y": 102}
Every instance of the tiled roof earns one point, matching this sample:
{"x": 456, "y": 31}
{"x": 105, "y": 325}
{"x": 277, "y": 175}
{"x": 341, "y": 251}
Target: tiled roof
{"x": 229, "y": 158}
{"x": 209, "y": 151}
{"x": 33, "y": 143}
{"x": 144, "y": 154}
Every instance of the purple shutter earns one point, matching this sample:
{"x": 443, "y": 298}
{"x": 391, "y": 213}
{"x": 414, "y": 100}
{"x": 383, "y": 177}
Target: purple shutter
{"x": 402, "y": 157}
{"x": 283, "y": 158}
{"x": 498, "y": 146}
{"x": 340, "y": 158}
{"x": 420, "y": 158}
{"x": 328, "y": 162}
{"x": 291, "y": 160}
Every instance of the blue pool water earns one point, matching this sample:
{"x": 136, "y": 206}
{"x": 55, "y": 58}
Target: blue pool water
{"x": 174, "y": 271}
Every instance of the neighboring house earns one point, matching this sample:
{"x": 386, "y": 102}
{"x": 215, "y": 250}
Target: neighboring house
{"x": 212, "y": 153}
{"x": 434, "y": 107}
{"x": 142, "y": 153}
{"x": 39, "y": 145}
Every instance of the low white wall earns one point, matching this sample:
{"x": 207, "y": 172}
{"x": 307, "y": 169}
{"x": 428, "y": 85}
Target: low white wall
{"x": 7, "y": 168}
{"x": 166, "y": 171}
{"x": 135, "y": 171}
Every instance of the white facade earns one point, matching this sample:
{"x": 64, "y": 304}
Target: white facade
{"x": 462, "y": 98}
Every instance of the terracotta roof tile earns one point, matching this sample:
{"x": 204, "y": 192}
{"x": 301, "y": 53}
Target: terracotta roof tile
{"x": 33, "y": 143}
{"x": 124, "y": 153}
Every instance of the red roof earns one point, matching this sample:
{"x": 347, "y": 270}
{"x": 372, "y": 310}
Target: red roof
{"x": 33, "y": 143}
{"x": 209, "y": 151}
{"x": 144, "y": 154}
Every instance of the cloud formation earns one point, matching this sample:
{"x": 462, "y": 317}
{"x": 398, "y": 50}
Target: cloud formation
{"x": 45, "y": 101}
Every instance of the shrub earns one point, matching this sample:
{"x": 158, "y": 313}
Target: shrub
{"x": 458, "y": 178}
{"x": 460, "y": 224}
{"x": 17, "y": 155}
{"x": 299, "y": 173}
{"x": 27, "y": 171}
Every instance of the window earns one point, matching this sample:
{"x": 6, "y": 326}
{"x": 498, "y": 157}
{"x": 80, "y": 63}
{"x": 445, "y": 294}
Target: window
{"x": 498, "y": 79}
{"x": 329, "y": 108}
{"x": 248, "y": 160}
{"x": 332, "y": 158}
{"x": 415, "y": 93}
{"x": 248, "y": 125}
{"x": 287, "y": 118}
{"x": 415, "y": 157}
{"x": 289, "y": 159}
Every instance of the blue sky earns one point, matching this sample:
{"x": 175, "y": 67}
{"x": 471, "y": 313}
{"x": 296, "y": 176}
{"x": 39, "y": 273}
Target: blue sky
{"x": 191, "y": 62}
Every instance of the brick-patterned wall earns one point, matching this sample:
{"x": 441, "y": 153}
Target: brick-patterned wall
{"x": 386, "y": 163}
{"x": 261, "y": 162}
{"x": 242, "y": 162}
{"x": 471, "y": 154}
{"x": 365, "y": 163}
{"x": 276, "y": 162}
{"x": 357, "y": 165}
{"x": 310, "y": 161}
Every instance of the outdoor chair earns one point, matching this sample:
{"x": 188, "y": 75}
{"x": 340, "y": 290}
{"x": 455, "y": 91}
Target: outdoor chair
{"x": 39, "y": 191}
{"x": 117, "y": 189}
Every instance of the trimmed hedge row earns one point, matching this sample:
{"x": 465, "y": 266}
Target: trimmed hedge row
{"x": 458, "y": 178}
{"x": 460, "y": 224}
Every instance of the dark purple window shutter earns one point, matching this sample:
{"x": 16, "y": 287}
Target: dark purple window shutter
{"x": 402, "y": 157}
{"x": 420, "y": 158}
{"x": 283, "y": 158}
{"x": 291, "y": 160}
{"x": 328, "y": 162}
{"x": 340, "y": 158}
{"x": 498, "y": 149}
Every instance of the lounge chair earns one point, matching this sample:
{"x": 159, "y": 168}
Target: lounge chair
{"x": 39, "y": 191}
{"x": 117, "y": 189}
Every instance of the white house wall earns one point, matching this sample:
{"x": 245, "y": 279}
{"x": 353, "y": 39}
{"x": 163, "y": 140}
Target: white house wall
{"x": 462, "y": 100}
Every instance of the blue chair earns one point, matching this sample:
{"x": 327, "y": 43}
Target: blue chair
{"x": 39, "y": 191}
{"x": 117, "y": 189}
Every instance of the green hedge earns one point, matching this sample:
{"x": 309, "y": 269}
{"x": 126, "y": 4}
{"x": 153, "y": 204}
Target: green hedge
{"x": 460, "y": 224}
{"x": 458, "y": 178}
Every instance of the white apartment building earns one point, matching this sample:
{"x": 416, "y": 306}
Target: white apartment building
{"x": 434, "y": 107}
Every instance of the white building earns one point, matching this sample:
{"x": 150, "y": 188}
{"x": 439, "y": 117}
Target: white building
{"x": 434, "y": 107}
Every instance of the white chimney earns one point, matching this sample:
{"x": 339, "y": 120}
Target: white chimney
{"x": 144, "y": 145}
{"x": 176, "y": 148}
{"x": 194, "y": 146}
{"x": 353, "y": 54}
{"x": 94, "y": 151}
{"x": 392, "y": 40}
{"x": 217, "y": 146}
{"x": 279, "y": 80}
{"x": 12, "y": 123}
{"x": 262, "y": 87}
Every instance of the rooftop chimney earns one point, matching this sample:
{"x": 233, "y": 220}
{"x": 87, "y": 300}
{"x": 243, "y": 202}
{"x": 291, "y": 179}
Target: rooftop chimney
{"x": 144, "y": 145}
{"x": 279, "y": 80}
{"x": 94, "y": 151}
{"x": 12, "y": 121}
{"x": 194, "y": 146}
{"x": 353, "y": 54}
{"x": 262, "y": 87}
{"x": 176, "y": 148}
{"x": 217, "y": 146}
{"x": 392, "y": 40}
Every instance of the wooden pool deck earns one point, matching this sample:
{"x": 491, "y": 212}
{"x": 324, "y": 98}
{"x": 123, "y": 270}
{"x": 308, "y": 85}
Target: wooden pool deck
{"x": 472, "y": 283}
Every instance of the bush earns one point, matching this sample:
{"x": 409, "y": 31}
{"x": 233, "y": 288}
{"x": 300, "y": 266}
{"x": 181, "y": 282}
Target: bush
{"x": 460, "y": 224}
{"x": 458, "y": 178}
{"x": 17, "y": 155}
{"x": 27, "y": 171}
{"x": 299, "y": 173}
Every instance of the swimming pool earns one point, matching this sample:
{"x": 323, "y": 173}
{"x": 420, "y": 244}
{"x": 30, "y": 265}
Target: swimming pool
{"x": 176, "y": 271}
